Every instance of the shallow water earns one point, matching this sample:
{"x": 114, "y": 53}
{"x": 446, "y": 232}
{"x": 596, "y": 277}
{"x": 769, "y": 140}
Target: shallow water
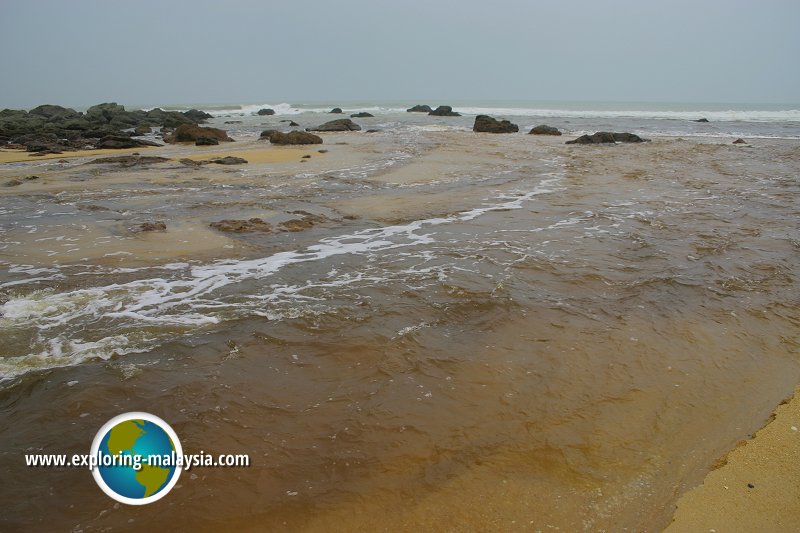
{"x": 512, "y": 334}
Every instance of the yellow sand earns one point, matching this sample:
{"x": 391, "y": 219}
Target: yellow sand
{"x": 17, "y": 156}
{"x": 770, "y": 462}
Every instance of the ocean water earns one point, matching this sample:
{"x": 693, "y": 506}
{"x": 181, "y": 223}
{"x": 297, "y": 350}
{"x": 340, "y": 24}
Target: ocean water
{"x": 486, "y": 331}
{"x": 577, "y": 118}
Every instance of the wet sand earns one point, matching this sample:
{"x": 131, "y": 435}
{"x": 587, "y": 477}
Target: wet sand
{"x": 477, "y": 333}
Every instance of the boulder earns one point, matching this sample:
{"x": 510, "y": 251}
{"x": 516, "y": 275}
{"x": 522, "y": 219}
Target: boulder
{"x": 229, "y": 160}
{"x": 119, "y": 142}
{"x": 266, "y": 134}
{"x": 605, "y": 137}
{"x": 336, "y": 110}
{"x": 444, "y": 111}
{"x": 206, "y": 141}
{"x": 701, "y": 120}
{"x": 487, "y": 124}
{"x": 419, "y": 109}
{"x": 544, "y": 130}
{"x": 740, "y": 141}
{"x": 105, "y": 113}
{"x": 191, "y": 132}
{"x": 342, "y": 124}
{"x": 54, "y": 112}
{"x": 363, "y": 114}
{"x": 195, "y": 115}
{"x": 294, "y": 137}
{"x": 266, "y": 111}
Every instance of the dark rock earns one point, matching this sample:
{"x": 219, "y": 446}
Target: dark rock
{"x": 191, "y": 132}
{"x": 373, "y": 131}
{"x": 363, "y": 114}
{"x": 444, "y": 111}
{"x": 293, "y": 124}
{"x": 152, "y": 226}
{"x": 242, "y": 226}
{"x": 13, "y": 183}
{"x": 128, "y": 160}
{"x": 544, "y": 130}
{"x": 142, "y": 130}
{"x": 323, "y": 151}
{"x": 195, "y": 115}
{"x": 266, "y": 111}
{"x": 233, "y": 122}
{"x": 206, "y": 141}
{"x": 52, "y": 112}
{"x": 266, "y": 134}
{"x": 191, "y": 162}
{"x": 229, "y": 160}
{"x": 105, "y": 112}
{"x": 487, "y": 124}
{"x": 419, "y": 109}
{"x": 740, "y": 141}
{"x": 336, "y": 110}
{"x": 306, "y": 157}
{"x": 342, "y": 124}
{"x": 605, "y": 137}
{"x": 118, "y": 142}
{"x": 294, "y": 137}
{"x": 701, "y": 120}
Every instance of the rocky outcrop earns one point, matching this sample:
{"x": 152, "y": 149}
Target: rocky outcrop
{"x": 293, "y": 137}
{"x": 119, "y": 142}
{"x": 419, "y": 109}
{"x": 342, "y": 124}
{"x": 363, "y": 114}
{"x": 544, "y": 130}
{"x": 605, "y": 137}
{"x": 444, "y": 111}
{"x": 336, "y": 110}
{"x": 487, "y": 124}
{"x": 266, "y": 111}
{"x": 192, "y": 132}
{"x": 242, "y": 226}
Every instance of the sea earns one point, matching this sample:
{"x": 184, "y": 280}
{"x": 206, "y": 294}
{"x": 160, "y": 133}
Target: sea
{"x": 486, "y": 332}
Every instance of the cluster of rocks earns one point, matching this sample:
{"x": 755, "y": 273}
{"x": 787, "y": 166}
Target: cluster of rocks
{"x": 441, "y": 111}
{"x": 52, "y": 128}
{"x": 197, "y": 134}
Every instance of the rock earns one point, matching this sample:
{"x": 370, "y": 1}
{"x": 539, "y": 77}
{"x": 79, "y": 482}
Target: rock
{"x": 293, "y": 124}
{"x": 444, "y": 111}
{"x": 701, "y": 120}
{"x": 487, "y": 124}
{"x": 242, "y": 226}
{"x": 229, "y": 160}
{"x": 373, "y": 131}
{"x": 739, "y": 141}
{"x": 336, "y": 110}
{"x": 294, "y": 137}
{"x": 419, "y": 109}
{"x": 152, "y": 226}
{"x": 142, "y": 130}
{"x": 323, "y": 151}
{"x": 603, "y": 137}
{"x": 195, "y": 115}
{"x": 191, "y": 162}
{"x": 118, "y": 142}
{"x": 266, "y": 134}
{"x": 206, "y": 141}
{"x": 306, "y": 221}
{"x": 544, "y": 130}
{"x": 266, "y": 111}
{"x": 306, "y": 157}
{"x": 342, "y": 124}
{"x": 191, "y": 132}
{"x": 13, "y": 183}
{"x": 233, "y": 122}
{"x": 54, "y": 112}
{"x": 363, "y": 114}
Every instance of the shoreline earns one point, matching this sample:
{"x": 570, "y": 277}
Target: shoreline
{"x": 757, "y": 486}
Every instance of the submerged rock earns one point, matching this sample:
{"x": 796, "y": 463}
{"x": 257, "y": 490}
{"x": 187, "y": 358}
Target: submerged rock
{"x": 342, "y": 124}
{"x": 701, "y": 120}
{"x": 544, "y": 130}
{"x": 606, "y": 137}
{"x": 242, "y": 226}
{"x": 419, "y": 109}
{"x": 444, "y": 111}
{"x": 128, "y": 160}
{"x": 487, "y": 124}
{"x": 293, "y": 137}
{"x": 740, "y": 141}
{"x": 152, "y": 226}
{"x": 363, "y": 114}
{"x": 206, "y": 141}
{"x": 118, "y": 142}
{"x": 336, "y": 110}
{"x": 229, "y": 160}
{"x": 266, "y": 111}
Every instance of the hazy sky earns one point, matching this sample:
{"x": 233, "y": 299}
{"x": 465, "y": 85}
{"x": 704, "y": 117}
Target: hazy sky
{"x": 81, "y": 52}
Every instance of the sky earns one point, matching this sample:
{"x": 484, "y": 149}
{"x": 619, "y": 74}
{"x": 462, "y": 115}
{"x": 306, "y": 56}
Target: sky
{"x": 82, "y": 52}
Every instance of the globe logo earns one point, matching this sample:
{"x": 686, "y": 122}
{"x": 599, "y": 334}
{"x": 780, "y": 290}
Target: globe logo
{"x": 138, "y": 458}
